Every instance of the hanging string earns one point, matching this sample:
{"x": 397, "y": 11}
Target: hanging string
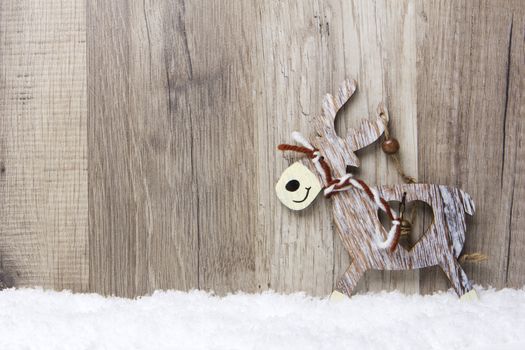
{"x": 406, "y": 225}
{"x": 393, "y": 155}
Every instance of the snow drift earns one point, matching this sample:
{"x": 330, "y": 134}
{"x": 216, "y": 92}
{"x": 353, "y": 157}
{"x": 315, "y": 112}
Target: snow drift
{"x": 38, "y": 319}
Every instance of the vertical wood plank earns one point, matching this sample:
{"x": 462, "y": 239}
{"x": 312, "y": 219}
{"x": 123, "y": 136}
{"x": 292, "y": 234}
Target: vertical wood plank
{"x": 43, "y": 164}
{"x": 171, "y": 147}
{"x": 111, "y": 225}
{"x": 513, "y": 165}
{"x": 143, "y": 200}
{"x": 467, "y": 134}
{"x": 220, "y": 94}
{"x": 378, "y": 40}
{"x": 307, "y": 49}
{"x": 294, "y": 249}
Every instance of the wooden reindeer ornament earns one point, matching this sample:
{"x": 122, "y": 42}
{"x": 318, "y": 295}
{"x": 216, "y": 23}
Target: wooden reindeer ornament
{"x": 355, "y": 204}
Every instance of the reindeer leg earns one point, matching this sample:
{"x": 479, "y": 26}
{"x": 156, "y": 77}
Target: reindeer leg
{"x": 456, "y": 275}
{"x": 348, "y": 281}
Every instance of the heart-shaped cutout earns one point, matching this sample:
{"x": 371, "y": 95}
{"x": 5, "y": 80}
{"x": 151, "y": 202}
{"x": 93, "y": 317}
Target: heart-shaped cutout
{"x": 418, "y": 216}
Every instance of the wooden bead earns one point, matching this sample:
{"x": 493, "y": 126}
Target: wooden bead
{"x": 390, "y": 146}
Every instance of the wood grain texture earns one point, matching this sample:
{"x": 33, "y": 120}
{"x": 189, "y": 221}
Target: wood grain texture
{"x": 378, "y": 50}
{"x": 306, "y": 48}
{"x": 294, "y": 251}
{"x": 441, "y": 244}
{"x": 43, "y": 146}
{"x": 187, "y": 102}
{"x": 355, "y": 207}
{"x": 170, "y": 146}
{"x": 220, "y": 37}
{"x": 143, "y": 196}
{"x": 468, "y": 124}
{"x": 513, "y": 164}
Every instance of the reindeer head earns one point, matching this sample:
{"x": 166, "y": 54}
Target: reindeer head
{"x": 338, "y": 152}
{"x": 297, "y": 187}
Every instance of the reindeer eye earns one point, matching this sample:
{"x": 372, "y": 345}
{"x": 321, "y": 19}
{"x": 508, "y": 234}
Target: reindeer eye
{"x": 292, "y": 185}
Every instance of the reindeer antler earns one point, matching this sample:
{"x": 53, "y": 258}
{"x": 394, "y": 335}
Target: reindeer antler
{"x": 339, "y": 150}
{"x": 367, "y": 132}
{"x": 332, "y": 105}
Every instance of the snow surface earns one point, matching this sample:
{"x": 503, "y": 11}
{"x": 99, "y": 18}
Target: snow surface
{"x": 37, "y": 319}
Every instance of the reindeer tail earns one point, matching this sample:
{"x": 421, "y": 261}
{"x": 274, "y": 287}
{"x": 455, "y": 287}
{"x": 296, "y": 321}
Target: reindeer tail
{"x": 468, "y": 203}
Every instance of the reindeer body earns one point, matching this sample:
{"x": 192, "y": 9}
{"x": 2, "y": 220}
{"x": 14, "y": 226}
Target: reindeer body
{"x": 440, "y": 245}
{"x": 355, "y": 214}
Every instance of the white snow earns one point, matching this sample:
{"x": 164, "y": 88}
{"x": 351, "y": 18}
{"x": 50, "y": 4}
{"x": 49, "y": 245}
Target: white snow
{"x": 38, "y": 319}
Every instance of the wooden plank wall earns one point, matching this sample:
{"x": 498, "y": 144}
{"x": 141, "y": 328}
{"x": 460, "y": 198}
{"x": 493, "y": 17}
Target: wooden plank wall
{"x": 137, "y": 139}
{"x": 43, "y": 144}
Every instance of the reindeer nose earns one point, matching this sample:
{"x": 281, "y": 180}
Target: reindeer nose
{"x": 292, "y": 185}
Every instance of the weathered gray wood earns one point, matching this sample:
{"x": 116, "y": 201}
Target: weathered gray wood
{"x": 43, "y": 144}
{"x": 513, "y": 207}
{"x": 342, "y": 149}
{"x": 171, "y": 82}
{"x": 171, "y": 147}
{"x": 143, "y": 179}
{"x": 221, "y": 38}
{"x": 303, "y": 49}
{"x": 469, "y": 122}
{"x": 374, "y": 42}
{"x": 294, "y": 251}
